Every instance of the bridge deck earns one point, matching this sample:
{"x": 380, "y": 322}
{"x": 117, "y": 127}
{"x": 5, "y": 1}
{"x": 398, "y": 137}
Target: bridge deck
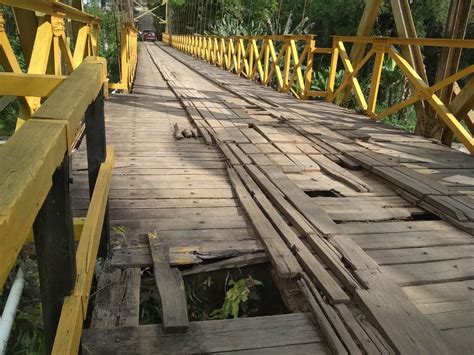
{"x": 336, "y": 180}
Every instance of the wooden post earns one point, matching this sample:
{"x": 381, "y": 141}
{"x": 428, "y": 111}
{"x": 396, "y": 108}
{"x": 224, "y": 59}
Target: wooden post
{"x": 96, "y": 154}
{"x": 55, "y": 251}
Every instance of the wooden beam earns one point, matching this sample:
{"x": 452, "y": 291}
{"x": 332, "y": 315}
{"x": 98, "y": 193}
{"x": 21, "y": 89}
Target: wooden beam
{"x": 96, "y": 154}
{"x": 55, "y": 250}
{"x": 20, "y": 84}
{"x": 74, "y": 310}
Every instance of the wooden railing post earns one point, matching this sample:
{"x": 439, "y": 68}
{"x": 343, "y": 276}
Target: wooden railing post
{"x": 55, "y": 250}
{"x": 96, "y": 154}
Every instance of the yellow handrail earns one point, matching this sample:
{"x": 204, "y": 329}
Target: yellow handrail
{"x": 290, "y": 68}
{"x": 30, "y": 157}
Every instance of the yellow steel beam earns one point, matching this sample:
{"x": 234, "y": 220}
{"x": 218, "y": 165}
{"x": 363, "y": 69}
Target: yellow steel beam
{"x": 440, "y": 108}
{"x": 20, "y": 84}
{"x": 51, "y": 7}
{"x": 27, "y": 23}
{"x": 463, "y": 102}
{"x": 77, "y": 92}
{"x": 147, "y": 12}
{"x": 429, "y": 42}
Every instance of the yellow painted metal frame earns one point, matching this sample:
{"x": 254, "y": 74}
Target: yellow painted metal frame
{"x": 290, "y": 69}
{"x": 422, "y": 91}
{"x": 50, "y": 49}
{"x": 256, "y": 58}
{"x": 128, "y": 59}
{"x": 30, "y": 157}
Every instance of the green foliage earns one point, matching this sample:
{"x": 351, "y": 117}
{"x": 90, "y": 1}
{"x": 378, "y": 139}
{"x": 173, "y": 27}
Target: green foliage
{"x": 8, "y": 119}
{"x": 109, "y": 38}
{"x": 237, "y": 298}
{"x": 27, "y": 332}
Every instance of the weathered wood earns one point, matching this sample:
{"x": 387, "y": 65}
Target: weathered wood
{"x": 333, "y": 340}
{"x": 117, "y": 299}
{"x": 231, "y": 263}
{"x": 314, "y": 214}
{"x": 174, "y": 309}
{"x": 431, "y": 272}
{"x": 55, "y": 251}
{"x": 304, "y": 256}
{"x": 249, "y": 335}
{"x": 396, "y": 317}
{"x": 96, "y": 154}
{"x": 279, "y": 254}
{"x": 333, "y": 318}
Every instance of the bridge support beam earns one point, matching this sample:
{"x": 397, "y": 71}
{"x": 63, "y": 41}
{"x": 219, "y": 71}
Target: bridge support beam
{"x": 55, "y": 250}
{"x": 96, "y": 154}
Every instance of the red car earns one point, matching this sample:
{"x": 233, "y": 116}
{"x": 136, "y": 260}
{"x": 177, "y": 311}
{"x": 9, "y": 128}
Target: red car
{"x": 149, "y": 36}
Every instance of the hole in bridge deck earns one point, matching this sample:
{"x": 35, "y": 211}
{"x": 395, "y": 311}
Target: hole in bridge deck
{"x": 205, "y": 294}
{"x": 322, "y": 193}
{"x": 424, "y": 216}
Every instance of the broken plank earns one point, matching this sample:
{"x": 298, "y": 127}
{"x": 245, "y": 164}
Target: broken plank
{"x": 174, "y": 309}
{"x": 281, "y": 257}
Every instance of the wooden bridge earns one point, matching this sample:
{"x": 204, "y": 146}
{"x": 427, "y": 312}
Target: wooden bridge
{"x": 366, "y": 230}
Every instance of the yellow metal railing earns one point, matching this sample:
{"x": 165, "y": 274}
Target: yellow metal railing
{"x": 128, "y": 59}
{"x": 45, "y": 45}
{"x": 268, "y": 59}
{"x": 378, "y": 47}
{"x": 288, "y": 61}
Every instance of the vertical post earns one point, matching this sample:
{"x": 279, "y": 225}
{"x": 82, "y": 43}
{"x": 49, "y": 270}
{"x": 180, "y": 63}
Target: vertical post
{"x": 96, "y": 154}
{"x": 53, "y": 232}
{"x": 332, "y": 70}
{"x": 266, "y": 62}
{"x": 309, "y": 69}
{"x": 286, "y": 73}
{"x": 376, "y": 75}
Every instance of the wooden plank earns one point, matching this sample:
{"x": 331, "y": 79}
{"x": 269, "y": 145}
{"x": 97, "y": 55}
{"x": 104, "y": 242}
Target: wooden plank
{"x": 281, "y": 257}
{"x": 431, "y": 272}
{"x": 333, "y": 318}
{"x": 241, "y": 334}
{"x": 144, "y": 194}
{"x": 174, "y": 309}
{"x": 231, "y": 263}
{"x": 330, "y": 335}
{"x": 308, "y": 262}
{"x": 117, "y": 301}
{"x": 321, "y": 247}
{"x": 396, "y": 317}
{"x": 397, "y": 226}
{"x": 410, "y": 240}
{"x": 314, "y": 214}
{"x": 422, "y": 255}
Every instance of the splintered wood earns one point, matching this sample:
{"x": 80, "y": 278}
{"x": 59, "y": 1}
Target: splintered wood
{"x": 370, "y": 222}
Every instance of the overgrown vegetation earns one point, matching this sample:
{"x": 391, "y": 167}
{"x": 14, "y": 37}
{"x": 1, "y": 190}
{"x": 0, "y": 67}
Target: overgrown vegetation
{"x": 238, "y": 299}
